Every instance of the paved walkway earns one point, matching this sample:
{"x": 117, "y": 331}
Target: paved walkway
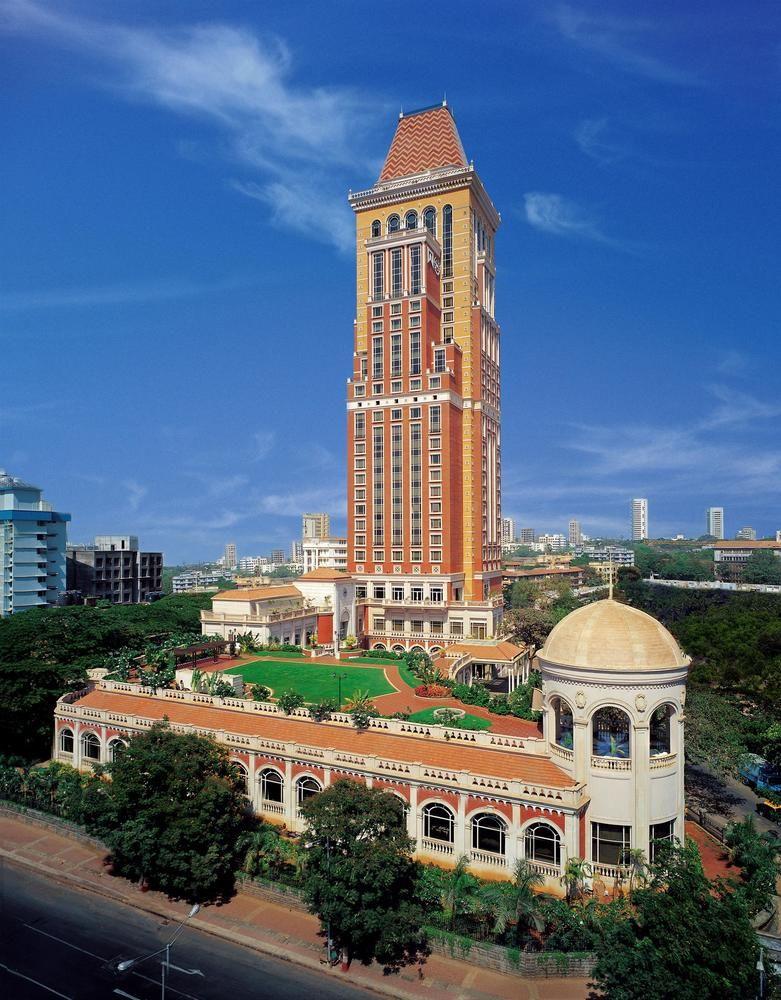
{"x": 269, "y": 927}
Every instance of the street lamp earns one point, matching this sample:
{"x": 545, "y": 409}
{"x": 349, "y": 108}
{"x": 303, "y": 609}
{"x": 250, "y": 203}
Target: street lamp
{"x": 166, "y": 966}
{"x": 339, "y": 678}
{"x": 761, "y": 970}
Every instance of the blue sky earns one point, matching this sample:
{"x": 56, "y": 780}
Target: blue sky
{"x": 177, "y": 288}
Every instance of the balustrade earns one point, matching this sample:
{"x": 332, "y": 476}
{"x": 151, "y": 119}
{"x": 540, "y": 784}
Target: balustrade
{"x": 611, "y": 763}
{"x": 437, "y": 846}
{"x": 488, "y": 858}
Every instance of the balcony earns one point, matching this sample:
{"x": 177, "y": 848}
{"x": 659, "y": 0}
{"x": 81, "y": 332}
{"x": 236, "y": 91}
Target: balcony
{"x": 611, "y": 763}
{"x": 262, "y": 618}
{"x": 663, "y": 761}
{"x": 440, "y": 847}
{"x": 488, "y": 858}
{"x": 545, "y": 868}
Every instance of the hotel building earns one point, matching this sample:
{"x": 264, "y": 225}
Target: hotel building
{"x": 424, "y": 499}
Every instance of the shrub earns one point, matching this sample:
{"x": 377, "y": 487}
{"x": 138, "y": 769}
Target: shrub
{"x": 322, "y": 711}
{"x": 403, "y": 716}
{"x": 260, "y": 692}
{"x": 289, "y": 701}
{"x": 477, "y": 694}
{"x": 432, "y": 691}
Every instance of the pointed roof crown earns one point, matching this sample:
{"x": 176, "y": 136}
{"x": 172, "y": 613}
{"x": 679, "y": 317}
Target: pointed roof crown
{"x": 424, "y": 140}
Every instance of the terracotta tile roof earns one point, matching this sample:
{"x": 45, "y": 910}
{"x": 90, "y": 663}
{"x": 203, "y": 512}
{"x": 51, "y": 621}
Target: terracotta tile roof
{"x": 257, "y": 594}
{"x": 763, "y": 543}
{"x": 325, "y": 574}
{"x": 386, "y": 746}
{"x": 424, "y": 141}
{"x": 505, "y": 652}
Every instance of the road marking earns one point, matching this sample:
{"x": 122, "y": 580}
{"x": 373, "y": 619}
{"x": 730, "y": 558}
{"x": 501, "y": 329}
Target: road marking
{"x": 67, "y": 943}
{"x": 29, "y": 979}
{"x": 121, "y": 993}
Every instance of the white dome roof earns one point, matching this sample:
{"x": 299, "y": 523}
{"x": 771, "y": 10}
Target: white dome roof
{"x": 607, "y": 635}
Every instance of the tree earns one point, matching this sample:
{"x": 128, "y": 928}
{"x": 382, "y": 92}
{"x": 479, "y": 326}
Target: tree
{"x": 763, "y": 566}
{"x": 687, "y": 938}
{"x": 172, "y": 813}
{"x": 515, "y": 903}
{"x": 458, "y": 884}
{"x": 576, "y": 871}
{"x": 362, "y": 709}
{"x": 359, "y": 876}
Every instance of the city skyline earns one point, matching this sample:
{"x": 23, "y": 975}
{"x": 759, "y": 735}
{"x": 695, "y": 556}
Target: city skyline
{"x": 607, "y": 160}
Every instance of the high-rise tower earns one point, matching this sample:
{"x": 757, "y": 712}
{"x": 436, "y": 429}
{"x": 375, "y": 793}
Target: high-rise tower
{"x": 424, "y": 516}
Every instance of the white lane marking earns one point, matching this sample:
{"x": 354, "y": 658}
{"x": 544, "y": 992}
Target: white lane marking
{"x": 67, "y": 943}
{"x": 29, "y": 979}
{"x": 140, "y": 975}
{"x": 121, "y": 993}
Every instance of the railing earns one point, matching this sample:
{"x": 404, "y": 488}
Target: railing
{"x": 559, "y": 751}
{"x": 663, "y": 760}
{"x": 544, "y": 868}
{"x": 611, "y": 763}
{"x": 488, "y": 858}
{"x": 436, "y": 846}
{"x": 263, "y": 618}
{"x": 277, "y": 808}
{"x": 608, "y": 871}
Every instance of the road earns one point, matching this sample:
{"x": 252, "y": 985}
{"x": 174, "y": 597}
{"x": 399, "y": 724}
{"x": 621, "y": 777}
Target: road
{"x": 60, "y": 942}
{"x": 724, "y": 799}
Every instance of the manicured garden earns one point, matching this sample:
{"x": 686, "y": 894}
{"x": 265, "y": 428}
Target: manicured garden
{"x": 464, "y": 722}
{"x": 314, "y": 683}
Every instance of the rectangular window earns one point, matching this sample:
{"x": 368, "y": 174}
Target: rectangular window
{"x": 377, "y": 360}
{"x": 447, "y": 317}
{"x": 360, "y": 425}
{"x": 360, "y": 539}
{"x": 435, "y": 443}
{"x": 360, "y": 463}
{"x": 416, "y": 555}
{"x": 377, "y": 327}
{"x": 359, "y": 390}
{"x": 379, "y": 555}
{"x": 434, "y": 382}
{"x": 378, "y": 624}
{"x": 660, "y": 832}
{"x": 414, "y": 321}
{"x": 398, "y": 624}
{"x": 378, "y": 275}
{"x": 436, "y": 508}
{"x": 360, "y": 525}
{"x": 396, "y": 386}
{"x": 447, "y": 334}
{"x": 435, "y": 459}
{"x": 395, "y": 308}
{"x": 416, "y": 593}
{"x": 609, "y": 843}
{"x": 415, "y": 385}
{"x": 437, "y": 628}
{"x": 378, "y": 593}
{"x": 414, "y": 306}
{"x": 435, "y": 540}
{"x": 360, "y": 508}
{"x": 434, "y": 416}
{"x": 436, "y": 555}
{"x": 360, "y": 494}
{"x": 435, "y": 524}
{"x": 395, "y": 354}
{"x": 456, "y": 626}
{"x": 447, "y": 302}
{"x": 360, "y": 590}
{"x": 437, "y": 594}
{"x": 414, "y": 413}
{"x": 360, "y": 447}
{"x": 416, "y": 625}
{"x": 397, "y": 555}
{"x": 395, "y": 273}
{"x": 396, "y": 414}
{"x": 435, "y": 475}
{"x": 360, "y": 479}
{"x": 414, "y": 352}
{"x": 478, "y": 630}
{"x": 439, "y": 361}
{"x": 360, "y": 555}
{"x": 378, "y": 416}
{"x": 414, "y": 269}
{"x": 377, "y": 312}
{"x": 397, "y": 593}
{"x": 435, "y": 491}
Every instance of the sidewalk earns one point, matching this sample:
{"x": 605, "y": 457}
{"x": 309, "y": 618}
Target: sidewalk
{"x": 269, "y": 927}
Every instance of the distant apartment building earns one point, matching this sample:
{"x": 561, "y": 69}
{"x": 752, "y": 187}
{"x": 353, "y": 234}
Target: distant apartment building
{"x": 230, "y": 560}
{"x": 278, "y": 557}
{"x": 714, "y": 522}
{"x": 574, "y": 534}
{"x": 508, "y": 530}
{"x": 249, "y": 564}
{"x": 556, "y": 543}
{"x": 748, "y": 534}
{"x": 639, "y": 519}
{"x": 315, "y": 526}
{"x": 195, "y": 580}
{"x": 573, "y": 575}
{"x": 733, "y": 555}
{"x": 113, "y": 569}
{"x": 324, "y": 553}
{"x": 32, "y": 547}
{"x": 296, "y": 552}
{"x": 527, "y": 536}
{"x": 606, "y": 554}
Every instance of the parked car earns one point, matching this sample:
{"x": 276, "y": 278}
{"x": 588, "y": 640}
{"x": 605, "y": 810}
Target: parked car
{"x": 759, "y": 775}
{"x": 770, "y": 810}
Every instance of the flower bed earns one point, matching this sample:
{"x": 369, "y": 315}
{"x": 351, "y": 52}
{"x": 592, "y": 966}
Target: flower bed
{"x": 432, "y": 691}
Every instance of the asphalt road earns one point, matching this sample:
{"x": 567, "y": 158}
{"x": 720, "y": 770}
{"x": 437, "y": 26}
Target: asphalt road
{"x": 60, "y": 942}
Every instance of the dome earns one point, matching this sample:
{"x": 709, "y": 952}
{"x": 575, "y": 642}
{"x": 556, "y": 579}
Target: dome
{"x": 607, "y": 635}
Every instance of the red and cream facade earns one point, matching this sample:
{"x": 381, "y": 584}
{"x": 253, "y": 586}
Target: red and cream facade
{"x": 424, "y": 538}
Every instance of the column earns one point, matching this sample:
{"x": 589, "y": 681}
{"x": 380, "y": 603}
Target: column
{"x": 413, "y": 825}
{"x": 514, "y": 847}
{"x": 290, "y": 795}
{"x": 641, "y": 785}
{"x": 679, "y": 763}
{"x": 570, "y": 842}
{"x": 462, "y": 844}
{"x": 581, "y": 748}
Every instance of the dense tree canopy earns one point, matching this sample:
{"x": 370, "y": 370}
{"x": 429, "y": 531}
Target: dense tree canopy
{"x": 45, "y": 652}
{"x": 359, "y": 875}
{"x": 685, "y": 940}
{"x": 172, "y": 813}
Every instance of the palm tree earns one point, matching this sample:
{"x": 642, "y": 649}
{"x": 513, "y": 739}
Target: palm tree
{"x": 576, "y": 871}
{"x": 634, "y": 860}
{"x": 359, "y": 701}
{"x": 515, "y": 902}
{"x": 456, "y": 886}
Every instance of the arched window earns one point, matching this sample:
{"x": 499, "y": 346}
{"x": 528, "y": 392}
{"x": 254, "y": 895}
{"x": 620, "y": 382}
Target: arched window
{"x": 271, "y": 785}
{"x": 411, "y": 220}
{"x": 90, "y": 746}
{"x": 116, "y": 748}
{"x": 376, "y": 228}
{"x": 439, "y": 823}
{"x": 394, "y": 224}
{"x": 66, "y": 741}
{"x": 447, "y": 241}
{"x": 610, "y": 733}
{"x": 306, "y": 788}
{"x": 378, "y": 645}
{"x": 489, "y": 833}
{"x": 563, "y": 722}
{"x": 542, "y": 843}
{"x": 659, "y": 730}
{"x": 242, "y": 773}
{"x": 430, "y": 220}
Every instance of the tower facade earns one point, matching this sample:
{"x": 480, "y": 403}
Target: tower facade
{"x": 424, "y": 514}
{"x": 639, "y": 519}
{"x": 714, "y": 522}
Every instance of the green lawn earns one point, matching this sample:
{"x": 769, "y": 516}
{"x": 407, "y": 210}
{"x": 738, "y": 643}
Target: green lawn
{"x": 468, "y": 721}
{"x": 315, "y": 683}
{"x": 279, "y": 654}
{"x": 375, "y": 660}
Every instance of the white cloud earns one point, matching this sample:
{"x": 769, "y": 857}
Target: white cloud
{"x": 552, "y": 213}
{"x": 617, "y": 41}
{"x": 591, "y": 137}
{"x": 153, "y": 291}
{"x": 296, "y": 139}
{"x": 135, "y": 493}
{"x": 262, "y": 444}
